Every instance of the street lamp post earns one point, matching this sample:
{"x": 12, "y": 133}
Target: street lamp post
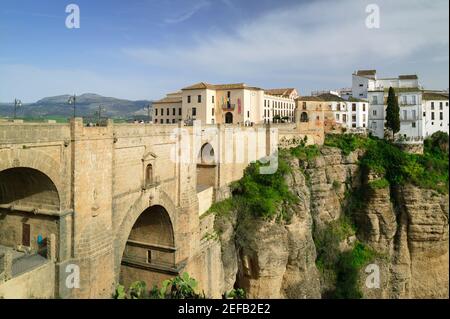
{"x": 148, "y": 111}
{"x": 73, "y": 101}
{"x": 99, "y": 113}
{"x": 17, "y": 104}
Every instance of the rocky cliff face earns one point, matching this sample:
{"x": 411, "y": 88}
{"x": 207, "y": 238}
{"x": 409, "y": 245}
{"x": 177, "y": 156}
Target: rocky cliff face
{"x": 407, "y": 227}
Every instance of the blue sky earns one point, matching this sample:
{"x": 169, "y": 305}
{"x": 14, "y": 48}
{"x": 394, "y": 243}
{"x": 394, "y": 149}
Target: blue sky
{"x": 142, "y": 49}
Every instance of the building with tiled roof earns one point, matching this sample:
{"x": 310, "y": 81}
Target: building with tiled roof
{"x": 235, "y": 103}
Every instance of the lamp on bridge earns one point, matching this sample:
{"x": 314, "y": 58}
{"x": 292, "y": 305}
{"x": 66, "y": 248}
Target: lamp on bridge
{"x": 72, "y": 101}
{"x": 17, "y": 104}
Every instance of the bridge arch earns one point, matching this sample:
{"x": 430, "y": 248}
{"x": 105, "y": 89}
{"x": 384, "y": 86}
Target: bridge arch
{"x": 28, "y": 201}
{"x": 149, "y": 252}
{"x": 165, "y": 210}
{"x": 37, "y": 161}
{"x": 27, "y": 187}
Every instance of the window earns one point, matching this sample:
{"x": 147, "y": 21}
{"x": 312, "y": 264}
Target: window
{"x": 189, "y": 99}
{"x": 374, "y": 112}
{"x": 199, "y": 99}
{"x": 149, "y": 256}
{"x": 353, "y": 118}
{"x": 179, "y": 111}
{"x": 194, "y": 111}
{"x": 173, "y": 111}
{"x": 374, "y": 125}
{"x": 413, "y": 114}
{"x": 364, "y": 107}
{"x": 413, "y": 124}
{"x": 432, "y": 105}
{"x": 167, "y": 121}
{"x": 173, "y": 121}
{"x": 156, "y": 112}
{"x": 441, "y": 116}
{"x": 344, "y": 117}
{"x": 212, "y": 112}
{"x": 354, "y": 107}
{"x": 248, "y": 114}
{"x": 432, "y": 116}
{"x": 414, "y": 99}
{"x": 337, "y": 117}
{"x": 374, "y": 100}
{"x": 229, "y": 94}
{"x": 304, "y": 105}
{"x": 168, "y": 112}
{"x": 149, "y": 175}
{"x": 361, "y": 85}
{"x": 354, "y": 125}
{"x": 405, "y": 114}
{"x": 405, "y": 99}
{"x": 156, "y": 120}
{"x": 162, "y": 112}
{"x": 212, "y": 99}
{"x": 26, "y": 235}
{"x": 441, "y": 105}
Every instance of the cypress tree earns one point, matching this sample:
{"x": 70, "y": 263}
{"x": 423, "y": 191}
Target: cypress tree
{"x": 392, "y": 112}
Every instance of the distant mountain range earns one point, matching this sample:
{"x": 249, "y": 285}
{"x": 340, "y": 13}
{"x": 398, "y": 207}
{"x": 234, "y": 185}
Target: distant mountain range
{"x": 86, "y": 106}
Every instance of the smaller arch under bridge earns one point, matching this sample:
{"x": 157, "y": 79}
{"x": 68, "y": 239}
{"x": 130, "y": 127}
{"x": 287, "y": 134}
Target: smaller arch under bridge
{"x": 114, "y": 203}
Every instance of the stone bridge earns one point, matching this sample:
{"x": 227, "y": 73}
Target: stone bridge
{"x": 121, "y": 202}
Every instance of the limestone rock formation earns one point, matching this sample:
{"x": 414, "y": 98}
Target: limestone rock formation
{"x": 406, "y": 226}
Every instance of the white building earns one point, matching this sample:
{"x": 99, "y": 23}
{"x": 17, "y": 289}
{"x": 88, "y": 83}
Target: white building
{"x": 422, "y": 113}
{"x": 435, "y": 112}
{"x": 352, "y": 113}
{"x": 226, "y": 104}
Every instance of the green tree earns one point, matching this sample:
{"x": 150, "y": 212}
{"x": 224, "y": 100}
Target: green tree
{"x": 392, "y": 112}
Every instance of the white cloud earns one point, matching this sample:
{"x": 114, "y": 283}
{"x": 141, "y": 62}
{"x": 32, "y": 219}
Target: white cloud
{"x": 321, "y": 37}
{"x": 188, "y": 14}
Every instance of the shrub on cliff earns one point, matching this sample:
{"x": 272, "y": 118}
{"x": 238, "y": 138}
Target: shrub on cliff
{"x": 262, "y": 195}
{"x": 180, "y": 287}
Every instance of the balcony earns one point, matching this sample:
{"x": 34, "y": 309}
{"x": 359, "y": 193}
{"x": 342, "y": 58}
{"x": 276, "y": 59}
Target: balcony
{"x": 228, "y": 107}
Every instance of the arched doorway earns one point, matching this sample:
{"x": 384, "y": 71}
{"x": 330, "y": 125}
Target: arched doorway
{"x": 229, "y": 118}
{"x": 304, "y": 117}
{"x": 206, "y": 167}
{"x": 149, "y": 253}
{"x": 28, "y": 202}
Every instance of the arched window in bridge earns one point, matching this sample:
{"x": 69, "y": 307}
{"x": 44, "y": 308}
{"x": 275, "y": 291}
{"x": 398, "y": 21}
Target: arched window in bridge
{"x": 149, "y": 175}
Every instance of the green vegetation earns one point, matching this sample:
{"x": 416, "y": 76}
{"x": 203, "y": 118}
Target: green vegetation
{"x": 347, "y": 143}
{"x": 347, "y": 268}
{"x": 379, "y": 183}
{"x": 180, "y": 287}
{"x": 429, "y": 170}
{"x": 42, "y": 119}
{"x": 327, "y": 241}
{"x": 262, "y": 195}
{"x": 392, "y": 112}
{"x": 340, "y": 268}
{"x": 305, "y": 153}
{"x": 235, "y": 294}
